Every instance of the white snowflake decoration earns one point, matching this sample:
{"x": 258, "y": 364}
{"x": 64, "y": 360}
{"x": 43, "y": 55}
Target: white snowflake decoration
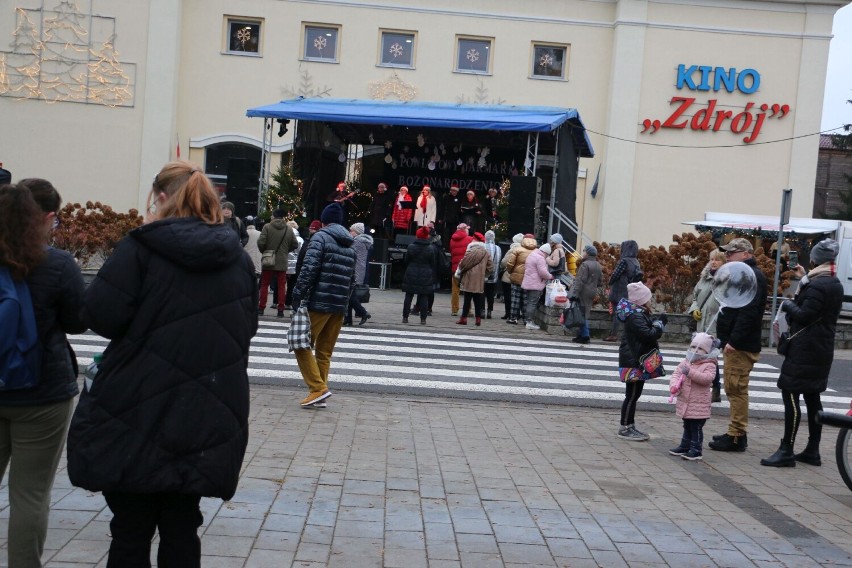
{"x": 388, "y": 144}
{"x": 244, "y": 35}
{"x": 545, "y": 60}
{"x": 472, "y": 55}
{"x": 395, "y": 50}
{"x": 320, "y": 43}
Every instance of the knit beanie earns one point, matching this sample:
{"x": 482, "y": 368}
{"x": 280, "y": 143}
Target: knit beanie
{"x": 825, "y": 251}
{"x": 478, "y": 236}
{"x": 703, "y": 341}
{"x": 490, "y": 236}
{"x": 333, "y": 213}
{"x": 422, "y": 233}
{"x": 357, "y": 228}
{"x": 556, "y": 238}
{"x": 518, "y": 238}
{"x": 315, "y": 225}
{"x": 590, "y": 250}
{"x": 638, "y": 293}
{"x": 545, "y": 248}
{"x": 228, "y": 205}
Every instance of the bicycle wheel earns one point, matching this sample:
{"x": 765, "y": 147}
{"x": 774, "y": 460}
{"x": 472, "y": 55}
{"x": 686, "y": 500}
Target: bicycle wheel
{"x": 844, "y": 455}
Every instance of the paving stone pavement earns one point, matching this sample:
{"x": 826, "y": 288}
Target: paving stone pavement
{"x": 413, "y": 482}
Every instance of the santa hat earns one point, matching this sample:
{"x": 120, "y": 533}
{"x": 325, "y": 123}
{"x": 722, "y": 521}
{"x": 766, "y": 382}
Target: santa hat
{"x": 422, "y": 233}
{"x": 479, "y": 237}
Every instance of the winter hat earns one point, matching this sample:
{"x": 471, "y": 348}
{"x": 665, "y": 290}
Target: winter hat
{"x": 545, "y": 248}
{"x": 556, "y": 238}
{"x": 228, "y": 205}
{"x": 738, "y": 245}
{"x": 333, "y": 213}
{"x": 529, "y": 236}
{"x": 825, "y": 251}
{"x": 590, "y": 250}
{"x": 638, "y": 293}
{"x": 249, "y": 220}
{"x": 315, "y": 225}
{"x": 703, "y": 341}
{"x": 490, "y": 236}
{"x": 357, "y": 228}
{"x": 422, "y": 233}
{"x": 518, "y": 238}
{"x": 278, "y": 214}
{"x": 462, "y": 227}
{"x": 478, "y": 236}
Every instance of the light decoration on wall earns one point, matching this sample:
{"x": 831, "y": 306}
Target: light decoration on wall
{"x": 61, "y": 61}
{"x": 392, "y": 87}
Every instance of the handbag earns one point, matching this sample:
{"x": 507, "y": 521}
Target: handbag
{"x": 299, "y": 332}
{"x": 573, "y": 315}
{"x": 559, "y": 269}
{"x": 785, "y": 338}
{"x": 361, "y": 292}
{"x": 267, "y": 258}
{"x": 652, "y": 363}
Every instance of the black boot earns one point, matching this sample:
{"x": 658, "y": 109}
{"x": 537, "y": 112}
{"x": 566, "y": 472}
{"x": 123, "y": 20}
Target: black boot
{"x": 717, "y": 394}
{"x": 728, "y": 443}
{"x": 783, "y": 456}
{"x": 811, "y": 454}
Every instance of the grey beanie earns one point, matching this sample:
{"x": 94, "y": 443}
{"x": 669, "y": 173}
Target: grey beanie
{"x": 825, "y": 251}
{"x": 556, "y": 238}
{"x": 590, "y": 250}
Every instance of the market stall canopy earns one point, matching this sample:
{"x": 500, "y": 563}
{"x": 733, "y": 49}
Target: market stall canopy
{"x": 766, "y": 223}
{"x": 355, "y": 120}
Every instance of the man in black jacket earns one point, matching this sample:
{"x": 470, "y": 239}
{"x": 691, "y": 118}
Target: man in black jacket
{"x": 739, "y": 330}
{"x": 234, "y": 222}
{"x": 325, "y": 282}
{"x": 449, "y": 214}
{"x": 380, "y": 211}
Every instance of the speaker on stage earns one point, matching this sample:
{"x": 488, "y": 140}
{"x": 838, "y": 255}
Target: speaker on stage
{"x": 380, "y": 250}
{"x": 524, "y": 204}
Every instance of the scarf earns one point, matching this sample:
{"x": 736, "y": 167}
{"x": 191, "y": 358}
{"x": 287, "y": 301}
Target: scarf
{"x": 423, "y": 201}
{"x": 824, "y": 269}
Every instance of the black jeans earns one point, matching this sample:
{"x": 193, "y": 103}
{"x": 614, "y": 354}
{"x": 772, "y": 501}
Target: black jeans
{"x": 507, "y": 297}
{"x": 354, "y": 305}
{"x": 478, "y": 304}
{"x": 693, "y": 433}
{"x": 631, "y": 395}
{"x": 490, "y": 292}
{"x": 422, "y": 304}
{"x": 793, "y": 415}
{"x": 135, "y": 518}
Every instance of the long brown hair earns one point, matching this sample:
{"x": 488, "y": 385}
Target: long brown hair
{"x": 22, "y": 231}
{"x": 189, "y": 193}
{"x": 44, "y": 194}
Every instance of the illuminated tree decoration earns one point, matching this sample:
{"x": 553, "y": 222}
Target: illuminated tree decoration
{"x": 285, "y": 192}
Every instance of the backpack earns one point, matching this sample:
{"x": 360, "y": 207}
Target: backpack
{"x": 20, "y": 349}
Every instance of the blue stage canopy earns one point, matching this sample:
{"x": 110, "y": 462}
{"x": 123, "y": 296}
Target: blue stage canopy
{"x": 433, "y": 115}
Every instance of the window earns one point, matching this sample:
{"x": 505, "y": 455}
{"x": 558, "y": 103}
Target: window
{"x": 397, "y": 49}
{"x": 549, "y": 61}
{"x": 243, "y": 36}
{"x": 321, "y": 43}
{"x": 473, "y": 55}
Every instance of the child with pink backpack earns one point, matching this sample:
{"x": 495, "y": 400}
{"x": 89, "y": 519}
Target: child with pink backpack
{"x": 691, "y": 385}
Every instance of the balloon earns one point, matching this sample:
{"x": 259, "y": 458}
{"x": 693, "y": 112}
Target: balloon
{"x": 734, "y": 284}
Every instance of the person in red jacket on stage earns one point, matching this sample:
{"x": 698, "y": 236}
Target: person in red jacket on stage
{"x": 402, "y": 213}
{"x": 458, "y": 246}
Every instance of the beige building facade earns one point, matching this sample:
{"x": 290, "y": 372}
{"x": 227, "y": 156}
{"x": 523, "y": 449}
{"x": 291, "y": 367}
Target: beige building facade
{"x": 690, "y": 105}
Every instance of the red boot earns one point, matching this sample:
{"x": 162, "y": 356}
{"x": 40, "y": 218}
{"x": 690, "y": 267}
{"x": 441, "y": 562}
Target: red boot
{"x": 478, "y": 320}
{"x": 462, "y": 321}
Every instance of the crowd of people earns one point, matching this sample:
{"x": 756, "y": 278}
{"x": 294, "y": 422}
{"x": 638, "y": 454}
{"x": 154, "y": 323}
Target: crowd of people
{"x": 165, "y": 419}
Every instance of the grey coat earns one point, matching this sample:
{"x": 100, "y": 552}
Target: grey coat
{"x": 586, "y": 283}
{"x": 706, "y": 302}
{"x": 361, "y": 246}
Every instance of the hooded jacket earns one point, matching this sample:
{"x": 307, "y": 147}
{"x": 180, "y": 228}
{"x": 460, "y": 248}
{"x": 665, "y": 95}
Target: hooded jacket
{"x": 694, "y": 397}
{"x": 362, "y": 245}
{"x": 328, "y": 271}
{"x": 277, "y": 236}
{"x": 516, "y": 264}
{"x": 168, "y": 409}
{"x": 640, "y": 334}
{"x": 536, "y": 274}
{"x": 458, "y": 247}
{"x": 475, "y": 265}
{"x": 422, "y": 265}
{"x": 586, "y": 283}
{"x": 496, "y": 256}
{"x": 814, "y": 312}
{"x": 626, "y": 271}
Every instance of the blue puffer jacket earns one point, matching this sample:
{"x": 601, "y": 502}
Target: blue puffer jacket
{"x": 328, "y": 271}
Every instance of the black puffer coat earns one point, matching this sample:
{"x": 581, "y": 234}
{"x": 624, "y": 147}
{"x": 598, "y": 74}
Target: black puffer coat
{"x": 741, "y": 327}
{"x": 328, "y": 271}
{"x": 808, "y": 362}
{"x": 422, "y": 267}
{"x": 640, "y": 334}
{"x": 56, "y": 287}
{"x": 168, "y": 410}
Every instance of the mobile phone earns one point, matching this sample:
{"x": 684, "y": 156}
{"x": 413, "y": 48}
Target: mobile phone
{"x": 793, "y": 261}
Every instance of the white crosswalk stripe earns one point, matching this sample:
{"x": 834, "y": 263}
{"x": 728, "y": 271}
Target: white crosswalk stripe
{"x": 415, "y": 361}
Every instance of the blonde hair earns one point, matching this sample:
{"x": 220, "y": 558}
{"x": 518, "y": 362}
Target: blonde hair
{"x": 717, "y": 255}
{"x": 189, "y": 193}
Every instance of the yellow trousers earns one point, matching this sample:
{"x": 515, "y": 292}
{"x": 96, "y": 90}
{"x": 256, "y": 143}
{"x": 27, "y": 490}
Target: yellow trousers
{"x": 314, "y": 364}
{"x": 738, "y": 365}
{"x": 454, "y": 298}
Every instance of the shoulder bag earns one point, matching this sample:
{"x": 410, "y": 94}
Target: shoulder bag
{"x": 785, "y": 338}
{"x": 267, "y": 259}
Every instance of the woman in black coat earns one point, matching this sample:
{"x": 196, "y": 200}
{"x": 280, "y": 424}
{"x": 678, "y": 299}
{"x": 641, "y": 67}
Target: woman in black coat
{"x": 421, "y": 273}
{"x": 812, "y": 316}
{"x": 165, "y": 421}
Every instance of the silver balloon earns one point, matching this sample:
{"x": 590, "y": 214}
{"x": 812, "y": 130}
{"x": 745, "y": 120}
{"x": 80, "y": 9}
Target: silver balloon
{"x": 734, "y": 285}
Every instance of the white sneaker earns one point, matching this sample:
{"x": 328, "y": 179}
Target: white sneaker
{"x": 531, "y": 325}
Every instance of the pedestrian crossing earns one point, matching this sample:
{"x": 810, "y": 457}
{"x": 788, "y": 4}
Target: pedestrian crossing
{"x": 536, "y": 369}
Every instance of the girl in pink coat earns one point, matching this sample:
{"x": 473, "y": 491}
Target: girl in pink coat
{"x": 691, "y": 383}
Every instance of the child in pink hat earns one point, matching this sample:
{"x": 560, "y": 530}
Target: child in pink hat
{"x": 692, "y": 384}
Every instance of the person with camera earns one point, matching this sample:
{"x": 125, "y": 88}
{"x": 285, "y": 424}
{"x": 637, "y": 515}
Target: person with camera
{"x": 812, "y": 315}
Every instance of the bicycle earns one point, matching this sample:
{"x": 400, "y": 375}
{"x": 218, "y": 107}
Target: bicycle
{"x": 844, "y": 442}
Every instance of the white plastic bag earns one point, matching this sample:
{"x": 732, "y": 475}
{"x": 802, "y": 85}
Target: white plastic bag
{"x": 556, "y": 296}
{"x": 779, "y": 326}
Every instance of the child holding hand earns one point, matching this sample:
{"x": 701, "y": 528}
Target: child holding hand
{"x": 691, "y": 382}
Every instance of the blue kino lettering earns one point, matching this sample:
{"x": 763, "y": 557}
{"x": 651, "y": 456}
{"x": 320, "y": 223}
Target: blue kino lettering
{"x": 706, "y": 78}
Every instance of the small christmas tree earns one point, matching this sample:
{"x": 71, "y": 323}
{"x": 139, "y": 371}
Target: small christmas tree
{"x": 285, "y": 192}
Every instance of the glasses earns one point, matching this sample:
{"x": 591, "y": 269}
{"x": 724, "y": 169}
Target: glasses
{"x": 732, "y": 252}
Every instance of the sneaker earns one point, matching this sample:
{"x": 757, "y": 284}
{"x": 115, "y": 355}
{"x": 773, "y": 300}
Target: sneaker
{"x": 512, "y": 321}
{"x": 692, "y": 455}
{"x": 315, "y": 397}
{"x": 321, "y": 404}
{"x": 531, "y": 325}
{"x": 455, "y": 313}
{"x": 364, "y": 319}
{"x": 728, "y": 443}
{"x": 679, "y": 451}
{"x": 632, "y": 434}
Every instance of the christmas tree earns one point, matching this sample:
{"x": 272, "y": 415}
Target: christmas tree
{"x": 285, "y": 192}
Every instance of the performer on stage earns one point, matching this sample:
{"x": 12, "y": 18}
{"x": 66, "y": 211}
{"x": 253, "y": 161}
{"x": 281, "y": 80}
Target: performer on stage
{"x": 449, "y": 217}
{"x": 379, "y": 212}
{"x": 426, "y": 208}
{"x": 402, "y": 212}
{"x": 339, "y": 195}
{"x": 471, "y": 212}
{"x": 490, "y": 208}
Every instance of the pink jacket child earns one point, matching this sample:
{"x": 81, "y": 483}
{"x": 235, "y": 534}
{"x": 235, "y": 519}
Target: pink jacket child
{"x": 691, "y": 383}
